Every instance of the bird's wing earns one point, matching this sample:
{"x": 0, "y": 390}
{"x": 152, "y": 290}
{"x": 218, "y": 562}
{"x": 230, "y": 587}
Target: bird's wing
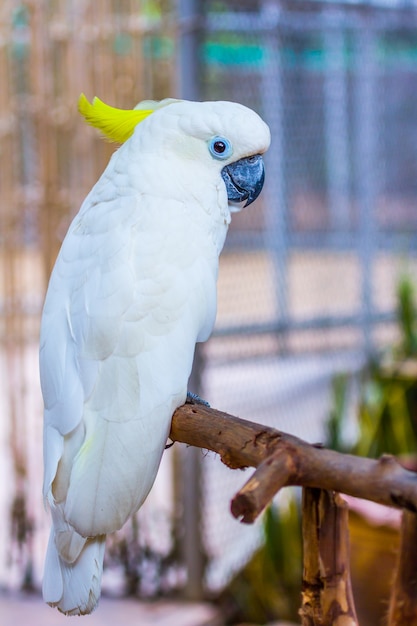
{"x": 109, "y": 383}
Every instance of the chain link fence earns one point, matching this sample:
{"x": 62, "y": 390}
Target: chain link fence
{"x": 308, "y": 276}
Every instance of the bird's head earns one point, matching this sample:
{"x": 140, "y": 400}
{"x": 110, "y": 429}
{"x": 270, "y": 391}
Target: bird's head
{"x": 226, "y": 137}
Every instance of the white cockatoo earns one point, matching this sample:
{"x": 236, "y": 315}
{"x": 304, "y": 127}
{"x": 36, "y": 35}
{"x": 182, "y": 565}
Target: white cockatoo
{"x": 132, "y": 291}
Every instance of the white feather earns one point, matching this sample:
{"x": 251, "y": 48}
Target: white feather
{"x": 74, "y": 588}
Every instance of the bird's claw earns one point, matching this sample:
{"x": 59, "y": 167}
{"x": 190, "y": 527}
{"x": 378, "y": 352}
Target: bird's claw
{"x": 193, "y": 398}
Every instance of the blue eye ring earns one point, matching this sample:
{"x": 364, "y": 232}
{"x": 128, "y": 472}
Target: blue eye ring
{"x": 220, "y": 148}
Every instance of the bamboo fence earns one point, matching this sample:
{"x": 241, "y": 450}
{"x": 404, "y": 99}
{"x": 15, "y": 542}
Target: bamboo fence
{"x": 50, "y": 52}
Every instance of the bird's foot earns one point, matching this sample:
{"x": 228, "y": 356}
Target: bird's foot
{"x": 193, "y": 398}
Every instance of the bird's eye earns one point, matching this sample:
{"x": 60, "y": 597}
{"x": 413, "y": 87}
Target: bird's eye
{"x": 220, "y": 147}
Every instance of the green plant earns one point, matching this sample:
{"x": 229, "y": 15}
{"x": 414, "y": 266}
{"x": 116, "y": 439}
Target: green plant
{"x": 388, "y": 404}
{"x": 387, "y": 409}
{"x": 269, "y": 586}
{"x": 335, "y": 422}
{"x": 407, "y": 318}
{"x": 385, "y": 420}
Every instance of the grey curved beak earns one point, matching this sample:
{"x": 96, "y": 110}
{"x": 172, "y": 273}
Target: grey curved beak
{"x": 244, "y": 179}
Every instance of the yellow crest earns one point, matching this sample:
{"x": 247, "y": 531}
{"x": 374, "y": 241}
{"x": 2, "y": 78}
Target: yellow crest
{"x": 115, "y": 124}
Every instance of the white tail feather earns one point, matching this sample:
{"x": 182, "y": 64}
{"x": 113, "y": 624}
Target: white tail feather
{"x": 74, "y": 588}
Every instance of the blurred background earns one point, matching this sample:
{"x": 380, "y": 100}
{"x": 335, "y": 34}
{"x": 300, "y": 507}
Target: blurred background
{"x": 312, "y": 276}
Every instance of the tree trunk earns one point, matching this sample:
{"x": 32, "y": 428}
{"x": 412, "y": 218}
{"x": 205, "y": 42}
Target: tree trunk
{"x": 327, "y": 598}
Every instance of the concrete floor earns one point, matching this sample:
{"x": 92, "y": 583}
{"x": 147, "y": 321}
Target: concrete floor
{"x": 29, "y": 610}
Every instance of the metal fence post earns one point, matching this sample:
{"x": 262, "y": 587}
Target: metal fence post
{"x": 336, "y": 121}
{"x": 366, "y": 121}
{"x": 275, "y": 194}
{"x": 189, "y": 15}
{"x": 190, "y": 21}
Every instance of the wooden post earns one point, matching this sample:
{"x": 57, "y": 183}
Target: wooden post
{"x": 403, "y": 602}
{"x": 327, "y": 598}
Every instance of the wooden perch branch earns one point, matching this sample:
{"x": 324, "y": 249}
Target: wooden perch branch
{"x": 282, "y": 460}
